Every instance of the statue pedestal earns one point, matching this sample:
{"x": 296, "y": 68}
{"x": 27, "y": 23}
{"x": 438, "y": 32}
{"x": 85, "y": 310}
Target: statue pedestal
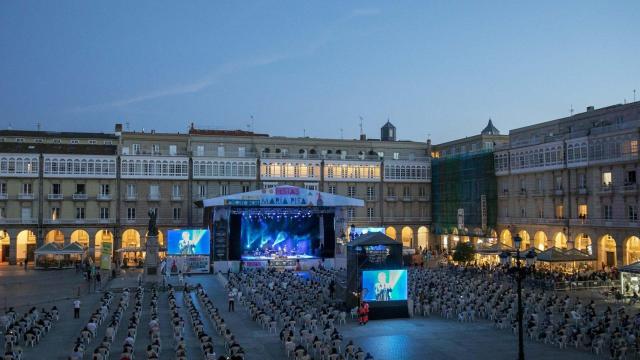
{"x": 152, "y": 257}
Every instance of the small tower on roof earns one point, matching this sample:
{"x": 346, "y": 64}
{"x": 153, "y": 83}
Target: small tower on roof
{"x": 388, "y": 132}
{"x": 490, "y": 129}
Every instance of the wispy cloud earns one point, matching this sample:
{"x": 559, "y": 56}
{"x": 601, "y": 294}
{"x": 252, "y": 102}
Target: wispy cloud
{"x": 231, "y": 67}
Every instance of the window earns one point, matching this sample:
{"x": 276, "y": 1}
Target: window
{"x": 104, "y": 189}
{"x": 25, "y": 213}
{"x": 80, "y": 189}
{"x": 396, "y": 156}
{"x": 351, "y": 213}
{"x": 582, "y": 211}
{"x": 523, "y": 212}
{"x": 558, "y": 183}
{"x": 154, "y": 190}
{"x": 3, "y": 213}
{"x": 559, "y": 212}
{"x": 131, "y": 213}
{"x": 224, "y": 190}
{"x": 539, "y": 184}
{"x": 406, "y": 191}
{"x": 55, "y": 213}
{"x": 630, "y": 178}
{"x": 202, "y": 190}
{"x": 311, "y": 186}
{"x": 155, "y": 149}
{"x": 371, "y": 193}
{"x": 27, "y": 188}
{"x": 125, "y": 150}
{"x": 56, "y": 189}
{"x": 135, "y": 148}
{"x": 606, "y": 178}
{"x": 331, "y": 189}
{"x": 221, "y": 150}
{"x": 104, "y": 213}
{"x": 391, "y": 191}
{"x": 540, "y": 212}
{"x": 173, "y": 150}
{"x": 177, "y": 213}
{"x": 242, "y": 151}
{"x": 245, "y": 188}
{"x": 422, "y": 191}
{"x": 582, "y": 181}
{"x": 175, "y": 191}
{"x": 370, "y": 213}
{"x": 74, "y": 141}
{"x": 80, "y": 213}
{"x": 92, "y": 142}
{"x": 633, "y": 212}
{"x": 131, "y": 190}
{"x": 351, "y": 191}
{"x": 607, "y": 212}
{"x": 3, "y": 189}
{"x": 200, "y": 150}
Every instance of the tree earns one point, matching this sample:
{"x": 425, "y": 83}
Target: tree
{"x": 464, "y": 252}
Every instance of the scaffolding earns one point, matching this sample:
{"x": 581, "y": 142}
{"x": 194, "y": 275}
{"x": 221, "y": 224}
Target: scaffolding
{"x": 467, "y": 182}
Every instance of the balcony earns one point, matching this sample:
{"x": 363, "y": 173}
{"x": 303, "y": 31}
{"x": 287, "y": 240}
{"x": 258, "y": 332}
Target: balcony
{"x": 4, "y": 196}
{"x": 25, "y": 196}
{"x": 105, "y": 221}
{"x": 103, "y": 197}
{"x": 558, "y": 192}
{"x": 583, "y": 190}
{"x": 176, "y": 197}
{"x": 504, "y": 194}
{"x": 626, "y": 189}
{"x": 80, "y": 197}
{"x": 17, "y": 221}
{"x": 391, "y": 198}
{"x": 522, "y": 193}
{"x": 423, "y": 198}
{"x": 530, "y": 221}
{"x": 131, "y": 197}
{"x": 606, "y": 189}
{"x": 153, "y": 197}
{"x": 407, "y": 198}
{"x": 621, "y": 223}
{"x": 55, "y": 196}
{"x": 537, "y": 193}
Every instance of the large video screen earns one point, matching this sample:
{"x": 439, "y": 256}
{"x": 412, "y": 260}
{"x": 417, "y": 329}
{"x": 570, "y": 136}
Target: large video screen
{"x": 384, "y": 285}
{"x": 189, "y": 242}
{"x": 286, "y": 235}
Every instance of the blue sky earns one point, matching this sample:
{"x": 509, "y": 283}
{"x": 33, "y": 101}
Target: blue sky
{"x": 433, "y": 67}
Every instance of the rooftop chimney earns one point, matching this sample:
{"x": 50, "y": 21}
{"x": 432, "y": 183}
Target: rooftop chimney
{"x": 363, "y": 137}
{"x": 118, "y": 129}
{"x": 590, "y": 108}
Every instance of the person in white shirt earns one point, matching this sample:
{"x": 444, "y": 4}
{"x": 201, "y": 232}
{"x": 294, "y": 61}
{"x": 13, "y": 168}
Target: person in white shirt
{"x": 76, "y": 309}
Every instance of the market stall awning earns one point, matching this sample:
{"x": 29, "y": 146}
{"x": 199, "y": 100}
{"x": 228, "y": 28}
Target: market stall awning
{"x": 73, "y": 248}
{"x": 631, "y": 268}
{"x": 578, "y": 255}
{"x": 48, "y": 249}
{"x": 554, "y": 254}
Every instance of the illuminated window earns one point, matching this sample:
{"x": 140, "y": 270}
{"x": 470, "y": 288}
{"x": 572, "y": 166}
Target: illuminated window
{"x": 606, "y": 178}
{"x": 582, "y": 211}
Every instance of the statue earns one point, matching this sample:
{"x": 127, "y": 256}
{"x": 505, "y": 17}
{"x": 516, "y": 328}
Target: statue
{"x": 152, "y": 230}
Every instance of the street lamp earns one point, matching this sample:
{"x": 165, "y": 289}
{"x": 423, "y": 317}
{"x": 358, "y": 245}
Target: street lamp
{"x": 517, "y": 241}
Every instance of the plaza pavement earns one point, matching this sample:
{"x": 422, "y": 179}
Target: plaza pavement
{"x": 398, "y": 339}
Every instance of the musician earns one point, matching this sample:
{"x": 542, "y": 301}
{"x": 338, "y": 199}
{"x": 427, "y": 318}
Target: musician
{"x": 187, "y": 246}
{"x": 382, "y": 288}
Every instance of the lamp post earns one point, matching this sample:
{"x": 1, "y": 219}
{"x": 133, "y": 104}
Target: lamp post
{"x": 517, "y": 241}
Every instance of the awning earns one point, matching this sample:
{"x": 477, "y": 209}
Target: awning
{"x": 631, "y": 268}
{"x": 73, "y": 248}
{"x": 48, "y": 249}
{"x": 495, "y": 249}
{"x": 554, "y": 254}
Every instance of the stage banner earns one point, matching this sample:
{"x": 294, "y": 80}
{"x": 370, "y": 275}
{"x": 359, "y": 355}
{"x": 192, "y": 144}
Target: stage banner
{"x": 105, "y": 256}
{"x": 191, "y": 264}
{"x": 255, "y": 264}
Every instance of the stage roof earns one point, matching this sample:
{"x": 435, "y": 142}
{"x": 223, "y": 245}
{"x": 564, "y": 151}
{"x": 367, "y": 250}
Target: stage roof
{"x": 283, "y": 196}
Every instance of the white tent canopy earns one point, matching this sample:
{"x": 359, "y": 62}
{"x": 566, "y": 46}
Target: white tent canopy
{"x": 48, "y": 249}
{"x": 73, "y": 248}
{"x": 284, "y": 195}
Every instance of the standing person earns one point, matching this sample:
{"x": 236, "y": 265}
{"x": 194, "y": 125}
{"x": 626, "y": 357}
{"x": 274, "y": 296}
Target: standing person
{"x": 76, "y": 309}
{"x": 332, "y": 288}
{"x": 365, "y": 307}
{"x": 232, "y": 296}
{"x": 361, "y": 313}
{"x": 98, "y": 278}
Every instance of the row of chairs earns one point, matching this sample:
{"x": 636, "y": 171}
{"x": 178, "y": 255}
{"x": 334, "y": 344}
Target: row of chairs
{"x": 128, "y": 344}
{"x": 31, "y": 327}
{"x": 153, "y": 349}
{"x": 89, "y": 331}
{"x": 177, "y": 323}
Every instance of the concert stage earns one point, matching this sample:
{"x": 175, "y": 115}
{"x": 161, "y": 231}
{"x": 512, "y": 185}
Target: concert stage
{"x": 283, "y": 224}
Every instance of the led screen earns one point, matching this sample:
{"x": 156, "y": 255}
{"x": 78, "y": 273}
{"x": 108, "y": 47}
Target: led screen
{"x": 384, "y": 285}
{"x": 288, "y": 235}
{"x": 189, "y": 242}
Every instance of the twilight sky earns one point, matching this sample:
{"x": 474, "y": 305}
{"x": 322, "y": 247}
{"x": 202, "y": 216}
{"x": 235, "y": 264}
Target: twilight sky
{"x": 432, "y": 67}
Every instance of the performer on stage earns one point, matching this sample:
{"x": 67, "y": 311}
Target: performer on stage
{"x": 186, "y": 245}
{"x": 382, "y": 288}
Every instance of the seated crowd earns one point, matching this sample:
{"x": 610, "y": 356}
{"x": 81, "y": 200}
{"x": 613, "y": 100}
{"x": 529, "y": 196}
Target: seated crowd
{"x": 471, "y": 294}
{"x": 27, "y": 329}
{"x": 301, "y": 310}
